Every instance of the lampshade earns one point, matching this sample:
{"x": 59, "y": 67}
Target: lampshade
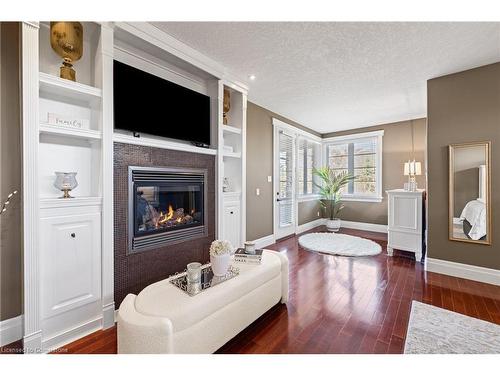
{"x": 412, "y": 168}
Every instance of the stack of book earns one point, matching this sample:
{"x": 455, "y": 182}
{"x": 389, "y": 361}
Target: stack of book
{"x": 241, "y": 256}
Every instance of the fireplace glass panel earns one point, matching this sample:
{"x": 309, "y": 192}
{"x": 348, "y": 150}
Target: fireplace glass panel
{"x": 165, "y": 206}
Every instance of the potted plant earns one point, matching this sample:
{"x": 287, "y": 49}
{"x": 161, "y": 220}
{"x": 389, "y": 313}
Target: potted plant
{"x": 330, "y": 191}
{"x": 220, "y": 256}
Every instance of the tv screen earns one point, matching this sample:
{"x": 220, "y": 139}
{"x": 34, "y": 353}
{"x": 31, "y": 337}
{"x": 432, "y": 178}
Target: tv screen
{"x": 144, "y": 103}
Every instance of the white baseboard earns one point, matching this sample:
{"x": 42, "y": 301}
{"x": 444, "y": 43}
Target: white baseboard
{"x": 262, "y": 242}
{"x": 344, "y": 224}
{"x": 108, "y": 316}
{"x": 32, "y": 343}
{"x": 269, "y": 240}
{"x": 381, "y": 228}
{"x": 310, "y": 225}
{"x": 11, "y": 330}
{"x": 71, "y": 335}
{"x": 465, "y": 271}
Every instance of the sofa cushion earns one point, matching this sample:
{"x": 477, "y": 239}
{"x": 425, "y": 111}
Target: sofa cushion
{"x": 162, "y": 299}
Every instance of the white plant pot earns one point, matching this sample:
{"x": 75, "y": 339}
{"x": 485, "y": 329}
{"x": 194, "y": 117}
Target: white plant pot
{"x": 220, "y": 264}
{"x": 333, "y": 225}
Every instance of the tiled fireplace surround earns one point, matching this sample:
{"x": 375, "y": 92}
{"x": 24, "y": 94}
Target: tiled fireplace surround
{"x": 135, "y": 271}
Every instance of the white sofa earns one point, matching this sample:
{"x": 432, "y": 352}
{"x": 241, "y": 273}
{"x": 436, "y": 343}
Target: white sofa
{"x": 164, "y": 319}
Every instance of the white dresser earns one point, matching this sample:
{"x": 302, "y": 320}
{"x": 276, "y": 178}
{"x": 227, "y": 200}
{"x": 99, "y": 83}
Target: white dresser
{"x": 406, "y": 225}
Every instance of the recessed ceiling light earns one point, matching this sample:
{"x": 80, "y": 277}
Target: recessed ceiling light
{"x": 252, "y": 77}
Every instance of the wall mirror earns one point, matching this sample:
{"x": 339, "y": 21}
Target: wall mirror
{"x": 469, "y": 180}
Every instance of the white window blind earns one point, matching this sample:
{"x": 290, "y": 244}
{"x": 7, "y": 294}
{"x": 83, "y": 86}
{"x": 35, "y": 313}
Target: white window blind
{"x": 286, "y": 143}
{"x": 308, "y": 155}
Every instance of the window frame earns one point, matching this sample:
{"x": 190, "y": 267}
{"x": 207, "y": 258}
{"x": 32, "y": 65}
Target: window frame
{"x": 374, "y": 135}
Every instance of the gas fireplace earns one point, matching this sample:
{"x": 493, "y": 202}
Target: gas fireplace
{"x": 166, "y": 206}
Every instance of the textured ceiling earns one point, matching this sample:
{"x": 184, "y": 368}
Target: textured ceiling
{"x": 336, "y": 76}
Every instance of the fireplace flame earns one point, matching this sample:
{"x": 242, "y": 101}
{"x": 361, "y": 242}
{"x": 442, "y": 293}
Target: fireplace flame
{"x": 172, "y": 218}
{"x": 166, "y": 217}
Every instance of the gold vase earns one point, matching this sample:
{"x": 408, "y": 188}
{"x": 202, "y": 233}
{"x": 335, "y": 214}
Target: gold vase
{"x": 66, "y": 39}
{"x": 226, "y": 105}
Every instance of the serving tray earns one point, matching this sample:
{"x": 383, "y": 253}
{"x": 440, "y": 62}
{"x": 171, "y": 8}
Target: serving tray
{"x": 208, "y": 280}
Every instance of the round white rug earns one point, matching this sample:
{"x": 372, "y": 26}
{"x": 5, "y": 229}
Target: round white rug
{"x": 339, "y": 244}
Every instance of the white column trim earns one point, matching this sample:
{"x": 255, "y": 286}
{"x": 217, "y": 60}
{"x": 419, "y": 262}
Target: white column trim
{"x": 243, "y": 203}
{"x": 30, "y": 135}
{"x": 107, "y": 261}
{"x": 219, "y": 167}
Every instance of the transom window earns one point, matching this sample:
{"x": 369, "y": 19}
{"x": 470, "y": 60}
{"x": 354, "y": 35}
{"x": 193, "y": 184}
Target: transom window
{"x": 361, "y": 156}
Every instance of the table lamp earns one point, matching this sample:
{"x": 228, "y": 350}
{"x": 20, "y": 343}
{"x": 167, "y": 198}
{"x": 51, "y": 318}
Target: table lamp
{"x": 412, "y": 169}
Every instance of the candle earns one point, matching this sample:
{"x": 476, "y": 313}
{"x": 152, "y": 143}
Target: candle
{"x": 193, "y": 272}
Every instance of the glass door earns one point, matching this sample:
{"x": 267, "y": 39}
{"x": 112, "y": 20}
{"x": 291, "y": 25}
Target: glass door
{"x": 284, "y": 190}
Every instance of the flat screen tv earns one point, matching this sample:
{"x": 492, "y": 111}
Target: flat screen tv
{"x": 144, "y": 103}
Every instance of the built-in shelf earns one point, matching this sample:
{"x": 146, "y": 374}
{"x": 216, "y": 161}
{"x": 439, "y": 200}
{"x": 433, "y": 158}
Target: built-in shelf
{"x": 161, "y": 143}
{"x": 232, "y": 154}
{"x": 69, "y": 202}
{"x": 70, "y": 132}
{"x": 231, "y": 129}
{"x": 53, "y": 85}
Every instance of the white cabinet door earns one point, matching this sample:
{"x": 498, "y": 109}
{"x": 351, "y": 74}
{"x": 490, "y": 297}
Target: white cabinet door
{"x": 405, "y": 213}
{"x": 232, "y": 224}
{"x": 70, "y": 262}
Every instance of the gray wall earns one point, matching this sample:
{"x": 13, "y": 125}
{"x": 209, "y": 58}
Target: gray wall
{"x": 309, "y": 211}
{"x": 462, "y": 107}
{"x": 395, "y": 151}
{"x": 10, "y": 177}
{"x": 259, "y": 166}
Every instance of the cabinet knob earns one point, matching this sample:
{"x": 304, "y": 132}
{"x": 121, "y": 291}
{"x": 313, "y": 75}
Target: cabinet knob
{"x": 232, "y": 212}
{"x": 73, "y": 235}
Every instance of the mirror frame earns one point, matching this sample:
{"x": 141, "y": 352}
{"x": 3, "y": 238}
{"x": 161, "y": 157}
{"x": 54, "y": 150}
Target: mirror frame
{"x": 451, "y": 183}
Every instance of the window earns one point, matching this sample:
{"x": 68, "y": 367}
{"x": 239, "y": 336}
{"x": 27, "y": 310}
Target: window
{"x": 308, "y": 155}
{"x": 361, "y": 156}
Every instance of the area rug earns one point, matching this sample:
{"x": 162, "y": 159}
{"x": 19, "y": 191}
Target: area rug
{"x": 339, "y": 244}
{"x": 433, "y": 330}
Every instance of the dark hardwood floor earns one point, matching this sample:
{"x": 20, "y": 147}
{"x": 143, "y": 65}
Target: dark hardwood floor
{"x": 344, "y": 305}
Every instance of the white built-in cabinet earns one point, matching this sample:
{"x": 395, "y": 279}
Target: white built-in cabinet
{"x": 68, "y": 246}
{"x": 68, "y": 243}
{"x": 232, "y": 218}
{"x": 70, "y": 271}
{"x": 405, "y": 221}
{"x": 232, "y": 166}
